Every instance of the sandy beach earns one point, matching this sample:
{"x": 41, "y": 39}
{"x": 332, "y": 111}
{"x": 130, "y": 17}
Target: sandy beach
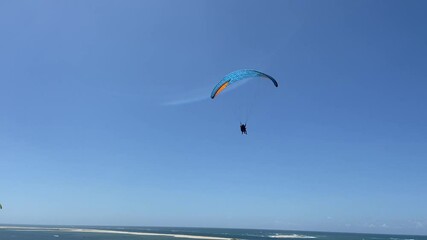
{"x": 19, "y": 228}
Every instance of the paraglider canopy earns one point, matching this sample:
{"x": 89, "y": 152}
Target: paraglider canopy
{"x": 237, "y": 76}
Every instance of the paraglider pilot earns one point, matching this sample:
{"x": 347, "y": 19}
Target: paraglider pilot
{"x": 243, "y": 128}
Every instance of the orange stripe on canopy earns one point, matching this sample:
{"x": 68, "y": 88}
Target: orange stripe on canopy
{"x": 222, "y": 88}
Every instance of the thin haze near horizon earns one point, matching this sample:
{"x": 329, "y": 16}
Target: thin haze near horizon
{"x": 105, "y": 115}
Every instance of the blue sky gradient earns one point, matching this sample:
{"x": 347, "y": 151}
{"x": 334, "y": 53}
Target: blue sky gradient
{"x": 99, "y": 123}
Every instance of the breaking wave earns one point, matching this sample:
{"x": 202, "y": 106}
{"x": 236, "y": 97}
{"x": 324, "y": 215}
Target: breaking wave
{"x": 290, "y": 236}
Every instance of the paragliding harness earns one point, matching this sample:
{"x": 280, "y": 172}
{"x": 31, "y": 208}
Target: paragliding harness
{"x": 243, "y": 128}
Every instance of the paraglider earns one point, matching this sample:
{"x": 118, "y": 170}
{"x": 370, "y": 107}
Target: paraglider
{"x": 243, "y": 128}
{"x": 238, "y": 76}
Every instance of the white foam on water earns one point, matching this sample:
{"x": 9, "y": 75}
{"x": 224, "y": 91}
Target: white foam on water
{"x": 402, "y": 239}
{"x": 87, "y": 230}
{"x": 290, "y": 236}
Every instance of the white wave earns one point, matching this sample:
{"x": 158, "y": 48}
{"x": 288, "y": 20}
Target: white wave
{"x": 86, "y": 230}
{"x": 290, "y": 236}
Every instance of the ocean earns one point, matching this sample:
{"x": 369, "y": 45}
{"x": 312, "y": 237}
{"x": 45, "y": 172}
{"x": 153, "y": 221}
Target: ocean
{"x": 167, "y": 233}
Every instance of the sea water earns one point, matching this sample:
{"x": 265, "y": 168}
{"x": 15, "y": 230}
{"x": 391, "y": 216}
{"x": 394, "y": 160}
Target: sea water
{"x": 61, "y": 233}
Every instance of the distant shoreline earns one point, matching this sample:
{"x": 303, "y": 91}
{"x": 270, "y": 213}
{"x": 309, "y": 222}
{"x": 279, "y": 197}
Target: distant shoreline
{"x": 87, "y": 230}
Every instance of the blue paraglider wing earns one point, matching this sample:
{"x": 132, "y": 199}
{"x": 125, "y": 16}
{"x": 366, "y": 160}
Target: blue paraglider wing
{"x": 237, "y": 76}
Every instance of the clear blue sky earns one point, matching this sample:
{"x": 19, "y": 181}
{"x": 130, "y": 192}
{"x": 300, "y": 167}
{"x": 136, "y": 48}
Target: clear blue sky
{"x": 93, "y": 129}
